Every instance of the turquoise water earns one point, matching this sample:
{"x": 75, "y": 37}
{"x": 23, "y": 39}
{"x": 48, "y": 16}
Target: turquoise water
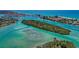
{"x": 19, "y": 36}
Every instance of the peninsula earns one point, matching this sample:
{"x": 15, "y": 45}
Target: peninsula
{"x": 57, "y": 44}
{"x": 4, "y": 21}
{"x": 60, "y": 19}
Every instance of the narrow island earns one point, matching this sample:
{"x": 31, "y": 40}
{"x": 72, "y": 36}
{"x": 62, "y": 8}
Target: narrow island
{"x": 57, "y": 44}
{"x": 46, "y": 26}
{"x": 5, "y": 21}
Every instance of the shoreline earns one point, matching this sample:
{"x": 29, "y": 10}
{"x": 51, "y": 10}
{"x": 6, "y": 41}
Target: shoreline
{"x": 6, "y": 21}
{"x": 60, "y": 19}
{"x": 57, "y": 44}
{"x": 46, "y": 26}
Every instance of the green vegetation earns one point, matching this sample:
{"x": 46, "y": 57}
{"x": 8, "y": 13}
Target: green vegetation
{"x": 6, "y": 21}
{"x": 57, "y": 44}
{"x": 46, "y": 26}
{"x": 60, "y": 19}
{"x": 67, "y": 21}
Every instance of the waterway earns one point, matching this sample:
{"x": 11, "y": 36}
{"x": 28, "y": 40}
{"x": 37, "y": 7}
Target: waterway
{"x": 19, "y": 35}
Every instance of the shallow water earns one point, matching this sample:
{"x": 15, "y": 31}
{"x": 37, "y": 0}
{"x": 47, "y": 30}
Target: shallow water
{"x": 20, "y": 35}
